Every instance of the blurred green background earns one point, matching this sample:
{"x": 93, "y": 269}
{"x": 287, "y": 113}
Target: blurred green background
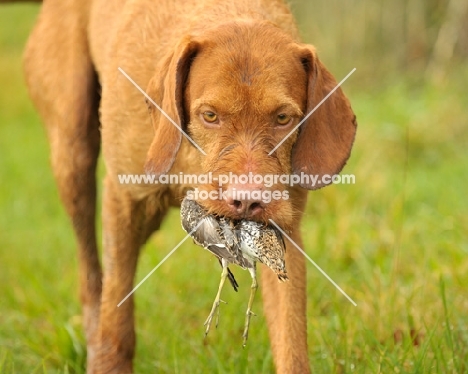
{"x": 396, "y": 241}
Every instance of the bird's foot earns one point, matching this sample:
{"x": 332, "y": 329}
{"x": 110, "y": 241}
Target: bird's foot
{"x": 217, "y": 299}
{"x": 214, "y": 310}
{"x": 245, "y": 335}
{"x": 217, "y": 314}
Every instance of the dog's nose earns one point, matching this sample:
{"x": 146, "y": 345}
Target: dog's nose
{"x": 245, "y": 199}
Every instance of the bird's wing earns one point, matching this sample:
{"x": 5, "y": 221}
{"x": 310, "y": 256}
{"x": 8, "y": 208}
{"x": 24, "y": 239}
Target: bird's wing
{"x": 279, "y": 238}
{"x": 207, "y": 233}
{"x": 208, "y": 236}
{"x": 213, "y": 234}
{"x": 219, "y": 239}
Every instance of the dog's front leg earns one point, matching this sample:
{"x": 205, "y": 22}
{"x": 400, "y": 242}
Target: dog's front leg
{"x": 124, "y": 232}
{"x": 285, "y": 309}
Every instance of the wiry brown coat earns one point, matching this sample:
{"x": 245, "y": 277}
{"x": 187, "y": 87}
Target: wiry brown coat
{"x": 240, "y": 58}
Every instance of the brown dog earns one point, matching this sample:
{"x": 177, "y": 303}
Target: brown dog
{"x": 235, "y": 77}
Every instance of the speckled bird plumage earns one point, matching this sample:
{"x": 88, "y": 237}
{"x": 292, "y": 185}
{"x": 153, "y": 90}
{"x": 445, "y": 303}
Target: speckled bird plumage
{"x": 242, "y": 243}
{"x": 264, "y": 244}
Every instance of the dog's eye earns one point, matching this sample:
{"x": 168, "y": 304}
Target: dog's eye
{"x": 283, "y": 119}
{"x": 210, "y": 117}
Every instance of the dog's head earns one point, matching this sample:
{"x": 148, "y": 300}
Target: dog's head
{"x": 238, "y": 91}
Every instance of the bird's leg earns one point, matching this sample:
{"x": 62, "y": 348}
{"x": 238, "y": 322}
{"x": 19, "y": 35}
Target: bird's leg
{"x": 249, "y": 312}
{"x": 217, "y": 300}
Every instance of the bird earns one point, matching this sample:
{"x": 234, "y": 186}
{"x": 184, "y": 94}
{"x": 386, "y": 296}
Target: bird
{"x": 243, "y": 243}
{"x": 209, "y": 233}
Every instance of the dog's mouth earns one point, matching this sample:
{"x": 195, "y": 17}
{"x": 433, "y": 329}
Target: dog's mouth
{"x": 264, "y": 208}
{"x": 191, "y": 213}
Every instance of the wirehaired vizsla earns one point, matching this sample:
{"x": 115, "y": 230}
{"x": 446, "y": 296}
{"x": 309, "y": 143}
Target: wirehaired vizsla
{"x": 236, "y": 78}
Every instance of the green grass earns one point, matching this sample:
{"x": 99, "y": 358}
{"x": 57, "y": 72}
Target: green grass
{"x": 396, "y": 241}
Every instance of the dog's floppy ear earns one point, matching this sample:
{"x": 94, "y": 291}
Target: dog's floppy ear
{"x": 166, "y": 89}
{"x": 326, "y": 137}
